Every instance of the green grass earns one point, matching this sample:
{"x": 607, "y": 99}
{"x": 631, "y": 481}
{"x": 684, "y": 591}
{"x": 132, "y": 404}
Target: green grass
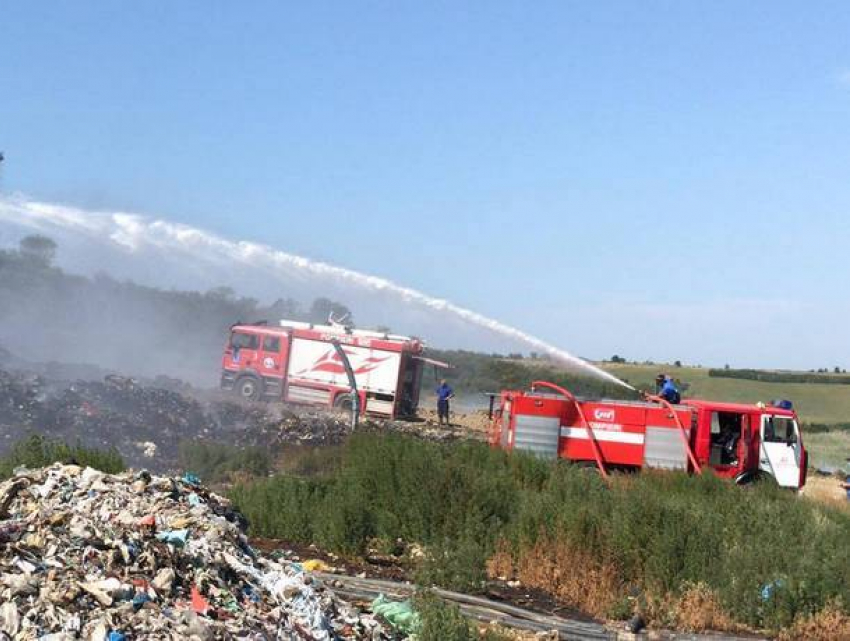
{"x": 657, "y": 533}
{"x": 829, "y": 449}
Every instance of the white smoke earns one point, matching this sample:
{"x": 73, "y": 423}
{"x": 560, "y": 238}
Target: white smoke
{"x": 134, "y": 233}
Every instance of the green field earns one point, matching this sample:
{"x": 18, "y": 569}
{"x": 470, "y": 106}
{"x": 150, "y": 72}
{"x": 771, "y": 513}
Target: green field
{"x": 829, "y": 404}
{"x": 829, "y": 450}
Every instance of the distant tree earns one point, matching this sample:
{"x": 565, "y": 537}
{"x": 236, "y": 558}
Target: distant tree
{"x": 384, "y": 329}
{"x": 285, "y": 308}
{"x": 617, "y": 359}
{"x": 515, "y": 356}
{"x": 677, "y": 364}
{"x": 322, "y": 309}
{"x": 726, "y": 366}
{"x": 837, "y": 369}
{"x": 38, "y": 248}
{"x": 533, "y": 356}
{"x": 223, "y": 293}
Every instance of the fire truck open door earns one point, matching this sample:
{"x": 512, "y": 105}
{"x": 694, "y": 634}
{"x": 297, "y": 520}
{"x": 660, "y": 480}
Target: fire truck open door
{"x": 781, "y": 449}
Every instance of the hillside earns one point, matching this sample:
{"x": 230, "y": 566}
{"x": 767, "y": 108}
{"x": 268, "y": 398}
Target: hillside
{"x": 474, "y": 373}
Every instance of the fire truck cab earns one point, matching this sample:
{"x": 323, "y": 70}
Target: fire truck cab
{"x": 737, "y": 441}
{"x": 298, "y": 362}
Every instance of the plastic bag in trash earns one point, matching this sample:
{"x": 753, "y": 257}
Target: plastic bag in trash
{"x": 399, "y": 614}
{"x": 315, "y": 565}
{"x": 191, "y": 479}
{"x": 175, "y": 537}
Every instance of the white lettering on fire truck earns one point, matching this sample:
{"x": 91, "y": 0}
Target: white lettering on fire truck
{"x": 603, "y": 415}
{"x": 346, "y": 340}
{"x": 608, "y": 427}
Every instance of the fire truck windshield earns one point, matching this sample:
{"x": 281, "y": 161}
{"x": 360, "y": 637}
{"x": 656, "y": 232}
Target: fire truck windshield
{"x": 240, "y": 340}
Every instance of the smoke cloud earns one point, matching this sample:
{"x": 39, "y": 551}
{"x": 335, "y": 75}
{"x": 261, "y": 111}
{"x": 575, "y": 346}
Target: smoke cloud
{"x": 129, "y": 245}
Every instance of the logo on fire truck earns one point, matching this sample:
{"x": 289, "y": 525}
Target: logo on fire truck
{"x": 603, "y": 415}
{"x": 331, "y": 363}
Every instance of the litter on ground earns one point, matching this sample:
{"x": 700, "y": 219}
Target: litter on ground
{"x": 104, "y": 557}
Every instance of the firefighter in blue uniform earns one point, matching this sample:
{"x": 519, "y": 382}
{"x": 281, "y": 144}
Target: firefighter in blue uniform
{"x": 667, "y": 389}
{"x": 444, "y": 393}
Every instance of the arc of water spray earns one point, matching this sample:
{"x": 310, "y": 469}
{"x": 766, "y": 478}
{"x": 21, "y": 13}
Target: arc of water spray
{"x": 133, "y": 232}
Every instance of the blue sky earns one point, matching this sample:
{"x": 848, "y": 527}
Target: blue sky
{"x": 656, "y": 179}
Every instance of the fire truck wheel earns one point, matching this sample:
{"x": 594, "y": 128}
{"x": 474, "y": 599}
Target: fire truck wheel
{"x": 344, "y": 402}
{"x": 248, "y": 388}
{"x": 750, "y": 479}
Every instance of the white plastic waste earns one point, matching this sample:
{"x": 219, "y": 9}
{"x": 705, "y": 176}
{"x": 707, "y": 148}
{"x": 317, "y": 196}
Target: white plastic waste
{"x": 87, "y": 555}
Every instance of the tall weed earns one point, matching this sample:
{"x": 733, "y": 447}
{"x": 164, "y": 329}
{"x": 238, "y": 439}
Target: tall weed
{"x": 759, "y": 556}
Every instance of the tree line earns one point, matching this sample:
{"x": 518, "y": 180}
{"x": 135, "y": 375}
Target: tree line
{"x": 47, "y": 314}
{"x": 813, "y": 378}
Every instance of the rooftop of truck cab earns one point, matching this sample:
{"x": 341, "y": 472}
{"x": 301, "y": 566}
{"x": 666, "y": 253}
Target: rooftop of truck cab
{"x": 738, "y": 408}
{"x": 259, "y": 329}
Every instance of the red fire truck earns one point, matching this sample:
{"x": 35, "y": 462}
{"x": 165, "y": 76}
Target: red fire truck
{"x": 738, "y": 441}
{"x": 298, "y": 363}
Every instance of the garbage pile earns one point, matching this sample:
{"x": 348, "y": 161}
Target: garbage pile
{"x": 273, "y": 425}
{"x": 114, "y": 412}
{"x": 101, "y": 557}
{"x": 147, "y": 423}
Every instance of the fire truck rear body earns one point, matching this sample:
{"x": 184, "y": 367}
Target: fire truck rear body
{"x": 737, "y": 441}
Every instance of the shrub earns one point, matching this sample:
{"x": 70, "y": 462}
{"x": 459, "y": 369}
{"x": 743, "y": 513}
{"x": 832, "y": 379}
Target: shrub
{"x": 37, "y": 451}
{"x": 441, "y": 621}
{"x": 455, "y": 564}
{"x": 759, "y": 556}
{"x": 699, "y": 609}
{"x": 828, "y": 624}
{"x": 821, "y": 428}
{"x": 571, "y": 574}
{"x": 215, "y": 462}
